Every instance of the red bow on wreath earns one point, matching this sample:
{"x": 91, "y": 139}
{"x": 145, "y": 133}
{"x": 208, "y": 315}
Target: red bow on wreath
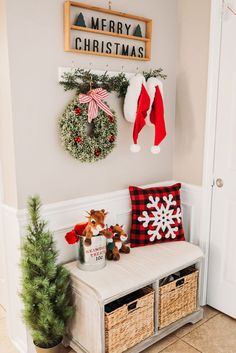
{"x": 94, "y": 99}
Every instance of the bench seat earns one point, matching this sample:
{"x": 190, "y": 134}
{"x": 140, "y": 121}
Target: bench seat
{"x": 142, "y": 266}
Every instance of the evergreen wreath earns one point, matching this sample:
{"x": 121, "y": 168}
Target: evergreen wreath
{"x": 87, "y": 142}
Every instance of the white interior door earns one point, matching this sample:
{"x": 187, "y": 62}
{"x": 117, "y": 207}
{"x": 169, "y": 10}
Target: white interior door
{"x": 3, "y": 291}
{"x": 222, "y": 261}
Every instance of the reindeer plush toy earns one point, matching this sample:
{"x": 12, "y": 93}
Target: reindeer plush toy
{"x": 116, "y": 237}
{"x": 96, "y": 223}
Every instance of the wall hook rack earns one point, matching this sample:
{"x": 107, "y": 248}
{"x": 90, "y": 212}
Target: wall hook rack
{"x": 63, "y": 70}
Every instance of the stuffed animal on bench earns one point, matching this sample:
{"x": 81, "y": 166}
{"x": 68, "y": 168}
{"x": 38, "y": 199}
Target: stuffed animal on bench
{"x": 96, "y": 223}
{"x": 116, "y": 237}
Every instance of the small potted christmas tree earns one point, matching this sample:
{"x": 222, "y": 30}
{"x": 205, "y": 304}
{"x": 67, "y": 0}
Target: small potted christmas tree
{"x": 46, "y": 290}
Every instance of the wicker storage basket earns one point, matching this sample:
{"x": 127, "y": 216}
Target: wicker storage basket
{"x": 178, "y": 298}
{"x": 131, "y": 323}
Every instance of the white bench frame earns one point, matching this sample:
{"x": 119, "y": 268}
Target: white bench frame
{"x": 93, "y": 291}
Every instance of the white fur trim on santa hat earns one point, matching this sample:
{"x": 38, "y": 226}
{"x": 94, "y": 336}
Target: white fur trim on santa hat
{"x": 152, "y": 82}
{"x": 155, "y": 149}
{"x": 132, "y": 97}
{"x": 135, "y": 148}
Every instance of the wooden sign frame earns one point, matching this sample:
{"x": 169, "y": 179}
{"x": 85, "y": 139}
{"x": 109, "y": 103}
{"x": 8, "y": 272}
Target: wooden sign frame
{"x": 68, "y": 27}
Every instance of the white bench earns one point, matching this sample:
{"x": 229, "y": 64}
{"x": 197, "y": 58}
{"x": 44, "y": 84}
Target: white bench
{"x": 143, "y": 266}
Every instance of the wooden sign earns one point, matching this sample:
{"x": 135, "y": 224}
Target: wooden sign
{"x": 128, "y": 36}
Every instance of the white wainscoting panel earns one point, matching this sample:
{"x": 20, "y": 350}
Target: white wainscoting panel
{"x": 191, "y": 196}
{"x": 61, "y": 217}
{"x": 12, "y": 234}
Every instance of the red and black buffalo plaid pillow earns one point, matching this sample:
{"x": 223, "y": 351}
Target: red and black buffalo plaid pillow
{"x": 156, "y": 215}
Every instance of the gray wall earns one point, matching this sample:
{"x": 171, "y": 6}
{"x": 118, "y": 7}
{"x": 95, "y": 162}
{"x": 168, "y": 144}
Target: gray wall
{"x": 7, "y": 155}
{"x": 192, "y": 68}
{"x": 32, "y": 158}
{"x": 35, "y": 36}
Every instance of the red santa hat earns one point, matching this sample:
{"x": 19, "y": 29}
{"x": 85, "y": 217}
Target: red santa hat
{"x": 144, "y": 105}
{"x": 155, "y": 114}
{"x": 136, "y": 106}
{"x": 132, "y": 97}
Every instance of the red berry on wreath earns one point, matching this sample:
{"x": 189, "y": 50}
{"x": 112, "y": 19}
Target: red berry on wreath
{"x": 112, "y": 138}
{"x": 77, "y": 139}
{"x": 97, "y": 152}
{"x": 77, "y": 111}
{"x": 110, "y": 119}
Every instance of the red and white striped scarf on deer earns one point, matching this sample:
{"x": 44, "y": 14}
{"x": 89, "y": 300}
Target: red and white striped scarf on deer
{"x": 94, "y": 99}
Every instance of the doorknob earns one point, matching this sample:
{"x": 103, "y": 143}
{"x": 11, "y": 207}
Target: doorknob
{"x": 219, "y": 183}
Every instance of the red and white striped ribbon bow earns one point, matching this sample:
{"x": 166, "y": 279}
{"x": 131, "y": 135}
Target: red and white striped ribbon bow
{"x": 94, "y": 99}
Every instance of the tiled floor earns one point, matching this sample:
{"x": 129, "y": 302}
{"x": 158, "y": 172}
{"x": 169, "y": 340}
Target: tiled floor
{"x": 216, "y": 333}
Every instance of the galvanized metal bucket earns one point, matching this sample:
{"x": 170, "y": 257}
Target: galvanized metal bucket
{"x": 92, "y": 257}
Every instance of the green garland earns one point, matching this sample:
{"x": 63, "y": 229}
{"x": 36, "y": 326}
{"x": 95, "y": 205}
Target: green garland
{"x": 84, "y": 146}
{"x": 83, "y": 80}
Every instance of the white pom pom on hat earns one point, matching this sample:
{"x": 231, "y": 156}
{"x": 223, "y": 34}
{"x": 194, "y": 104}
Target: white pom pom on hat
{"x": 135, "y": 148}
{"x": 155, "y": 149}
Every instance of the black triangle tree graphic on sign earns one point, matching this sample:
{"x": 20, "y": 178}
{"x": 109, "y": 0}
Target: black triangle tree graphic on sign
{"x": 138, "y": 31}
{"x": 80, "y": 20}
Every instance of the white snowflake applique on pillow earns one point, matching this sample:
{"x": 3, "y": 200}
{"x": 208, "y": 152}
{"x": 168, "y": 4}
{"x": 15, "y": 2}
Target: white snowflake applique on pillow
{"x": 162, "y": 217}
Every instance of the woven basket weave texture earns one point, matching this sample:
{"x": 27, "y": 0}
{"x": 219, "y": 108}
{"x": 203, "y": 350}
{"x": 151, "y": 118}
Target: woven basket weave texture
{"x": 130, "y": 324}
{"x": 178, "y": 299}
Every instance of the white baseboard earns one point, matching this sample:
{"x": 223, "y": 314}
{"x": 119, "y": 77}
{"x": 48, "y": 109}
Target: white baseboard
{"x": 61, "y": 217}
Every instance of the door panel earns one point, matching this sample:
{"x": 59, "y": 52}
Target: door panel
{"x": 229, "y": 267}
{"x": 3, "y": 290}
{"x": 222, "y": 261}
